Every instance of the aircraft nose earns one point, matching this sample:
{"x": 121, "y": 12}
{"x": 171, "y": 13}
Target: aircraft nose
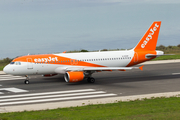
{"x": 6, "y": 69}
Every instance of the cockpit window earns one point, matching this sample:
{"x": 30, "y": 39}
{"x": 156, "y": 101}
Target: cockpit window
{"x": 18, "y": 63}
{"x": 12, "y": 63}
{"x": 15, "y": 63}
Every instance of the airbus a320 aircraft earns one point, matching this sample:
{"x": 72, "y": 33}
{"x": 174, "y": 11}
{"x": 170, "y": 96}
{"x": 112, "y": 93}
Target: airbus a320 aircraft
{"x": 78, "y": 66}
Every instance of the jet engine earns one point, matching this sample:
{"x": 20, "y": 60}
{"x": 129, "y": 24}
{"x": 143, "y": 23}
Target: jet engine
{"x": 74, "y": 76}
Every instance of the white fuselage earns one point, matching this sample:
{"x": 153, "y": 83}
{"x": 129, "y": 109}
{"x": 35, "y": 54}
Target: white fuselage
{"x": 106, "y": 59}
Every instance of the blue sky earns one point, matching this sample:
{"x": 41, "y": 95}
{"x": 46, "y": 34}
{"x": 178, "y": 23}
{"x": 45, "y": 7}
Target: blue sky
{"x": 49, "y": 26}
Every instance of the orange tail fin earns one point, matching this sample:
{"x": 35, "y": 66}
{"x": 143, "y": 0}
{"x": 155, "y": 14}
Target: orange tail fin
{"x": 149, "y": 40}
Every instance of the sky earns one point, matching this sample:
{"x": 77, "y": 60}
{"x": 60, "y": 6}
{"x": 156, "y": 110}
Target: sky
{"x": 51, "y": 26}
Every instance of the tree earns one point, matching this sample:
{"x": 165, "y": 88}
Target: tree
{"x": 105, "y": 50}
{"x": 7, "y": 59}
{"x": 84, "y": 50}
{"x": 170, "y": 46}
{"x": 161, "y": 47}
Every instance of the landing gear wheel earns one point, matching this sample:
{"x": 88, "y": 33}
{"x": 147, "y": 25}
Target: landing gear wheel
{"x": 90, "y": 79}
{"x": 26, "y": 82}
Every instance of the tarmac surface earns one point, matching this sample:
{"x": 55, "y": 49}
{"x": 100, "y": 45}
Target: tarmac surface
{"x": 159, "y": 78}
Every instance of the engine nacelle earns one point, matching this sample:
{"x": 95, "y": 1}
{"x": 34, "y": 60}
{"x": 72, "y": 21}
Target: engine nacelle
{"x": 74, "y": 76}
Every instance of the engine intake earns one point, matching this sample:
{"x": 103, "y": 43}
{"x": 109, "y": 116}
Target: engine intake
{"x": 73, "y": 76}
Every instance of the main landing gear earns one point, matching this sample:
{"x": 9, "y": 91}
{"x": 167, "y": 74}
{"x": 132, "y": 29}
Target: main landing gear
{"x": 27, "y": 80}
{"x": 88, "y": 76}
{"x": 90, "y": 79}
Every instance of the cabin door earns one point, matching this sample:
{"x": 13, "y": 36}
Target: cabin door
{"x": 29, "y": 63}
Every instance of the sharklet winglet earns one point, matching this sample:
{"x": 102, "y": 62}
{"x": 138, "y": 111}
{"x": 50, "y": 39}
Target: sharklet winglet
{"x": 141, "y": 68}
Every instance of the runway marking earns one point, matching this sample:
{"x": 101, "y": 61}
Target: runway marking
{"x": 57, "y": 99}
{"x": 48, "y": 93}
{"x": 175, "y": 73}
{"x": 10, "y": 77}
{"x": 53, "y": 96}
{"x": 14, "y": 90}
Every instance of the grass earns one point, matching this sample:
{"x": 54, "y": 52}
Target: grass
{"x": 4, "y": 62}
{"x": 148, "y": 109}
{"x": 168, "y": 57}
{"x": 1, "y": 68}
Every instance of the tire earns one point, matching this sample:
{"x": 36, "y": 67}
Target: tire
{"x": 26, "y": 82}
{"x": 91, "y": 80}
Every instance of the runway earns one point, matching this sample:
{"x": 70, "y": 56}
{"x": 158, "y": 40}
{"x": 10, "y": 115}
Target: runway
{"x": 155, "y": 78}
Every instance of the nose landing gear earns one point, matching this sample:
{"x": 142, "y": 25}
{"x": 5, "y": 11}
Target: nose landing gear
{"x": 27, "y": 80}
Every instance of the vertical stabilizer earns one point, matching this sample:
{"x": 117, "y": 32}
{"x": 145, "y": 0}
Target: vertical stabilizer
{"x": 149, "y": 40}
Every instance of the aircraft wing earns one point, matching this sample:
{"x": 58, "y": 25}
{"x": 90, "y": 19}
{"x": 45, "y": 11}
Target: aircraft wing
{"x": 101, "y": 68}
{"x": 59, "y": 70}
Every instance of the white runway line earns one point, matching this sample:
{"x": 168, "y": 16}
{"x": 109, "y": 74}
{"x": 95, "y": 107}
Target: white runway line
{"x": 48, "y": 93}
{"x": 75, "y": 103}
{"x": 2, "y": 73}
{"x": 57, "y": 99}
{"x": 14, "y": 90}
{"x": 175, "y": 73}
{"x": 51, "y": 96}
{"x": 10, "y": 77}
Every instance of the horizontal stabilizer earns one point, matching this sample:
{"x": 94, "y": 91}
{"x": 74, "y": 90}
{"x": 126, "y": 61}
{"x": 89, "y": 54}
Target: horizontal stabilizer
{"x": 141, "y": 68}
{"x": 150, "y": 55}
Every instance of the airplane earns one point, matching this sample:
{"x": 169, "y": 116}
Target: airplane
{"x": 79, "y": 66}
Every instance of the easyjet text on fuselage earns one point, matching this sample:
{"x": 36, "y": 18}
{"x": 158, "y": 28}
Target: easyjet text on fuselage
{"x": 49, "y": 59}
